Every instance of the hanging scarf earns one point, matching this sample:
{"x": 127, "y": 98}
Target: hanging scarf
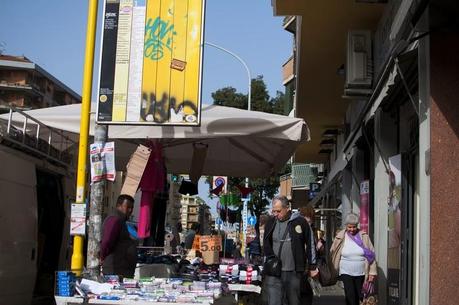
{"x": 369, "y": 255}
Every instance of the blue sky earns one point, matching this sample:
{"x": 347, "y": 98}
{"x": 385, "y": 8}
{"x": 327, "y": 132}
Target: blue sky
{"x": 52, "y": 34}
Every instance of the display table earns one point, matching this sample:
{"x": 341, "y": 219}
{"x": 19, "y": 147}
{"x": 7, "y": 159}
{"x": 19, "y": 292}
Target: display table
{"x": 67, "y": 300}
{"x": 77, "y": 300}
{"x": 234, "y": 288}
{"x": 244, "y": 287}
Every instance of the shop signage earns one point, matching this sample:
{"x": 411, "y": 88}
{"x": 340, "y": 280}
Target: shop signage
{"x": 151, "y": 62}
{"x": 364, "y": 205}
{"x": 394, "y": 230}
{"x": 230, "y": 227}
{"x": 314, "y": 190}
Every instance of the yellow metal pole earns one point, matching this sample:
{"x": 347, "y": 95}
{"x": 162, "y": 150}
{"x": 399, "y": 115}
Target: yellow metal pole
{"x": 77, "y": 256}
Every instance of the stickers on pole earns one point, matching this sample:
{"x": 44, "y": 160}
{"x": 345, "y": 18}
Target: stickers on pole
{"x": 102, "y": 159}
{"x": 78, "y": 219}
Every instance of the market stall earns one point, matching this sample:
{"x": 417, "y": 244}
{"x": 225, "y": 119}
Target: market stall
{"x": 193, "y": 283}
{"x": 238, "y": 143}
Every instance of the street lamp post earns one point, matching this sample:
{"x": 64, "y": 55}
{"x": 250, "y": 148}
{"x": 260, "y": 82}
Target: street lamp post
{"x": 249, "y": 100}
{"x": 249, "y": 107}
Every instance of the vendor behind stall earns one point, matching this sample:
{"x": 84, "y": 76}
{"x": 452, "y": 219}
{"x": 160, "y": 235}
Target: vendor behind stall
{"x": 118, "y": 251}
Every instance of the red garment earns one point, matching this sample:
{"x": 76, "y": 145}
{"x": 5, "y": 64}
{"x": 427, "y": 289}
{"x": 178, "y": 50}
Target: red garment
{"x": 111, "y": 232}
{"x": 153, "y": 175}
{"x": 146, "y": 205}
{"x": 152, "y": 181}
{"x": 244, "y": 190}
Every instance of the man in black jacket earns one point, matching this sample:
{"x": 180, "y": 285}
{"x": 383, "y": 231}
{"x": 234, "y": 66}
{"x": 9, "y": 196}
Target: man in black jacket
{"x": 297, "y": 255}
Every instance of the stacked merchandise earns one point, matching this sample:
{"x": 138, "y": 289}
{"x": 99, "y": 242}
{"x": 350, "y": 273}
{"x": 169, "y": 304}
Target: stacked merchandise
{"x": 229, "y": 273}
{"x": 65, "y": 283}
{"x": 174, "y": 290}
{"x": 207, "y": 273}
{"x": 249, "y": 275}
{"x": 148, "y": 256}
{"x": 240, "y": 274}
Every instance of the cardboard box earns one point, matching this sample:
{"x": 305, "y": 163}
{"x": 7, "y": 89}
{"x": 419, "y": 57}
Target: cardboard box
{"x": 135, "y": 169}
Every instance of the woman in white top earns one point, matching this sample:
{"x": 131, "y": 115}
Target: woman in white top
{"x": 353, "y": 259}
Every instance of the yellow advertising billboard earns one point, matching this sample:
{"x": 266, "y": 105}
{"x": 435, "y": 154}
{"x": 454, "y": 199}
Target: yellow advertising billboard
{"x": 151, "y": 62}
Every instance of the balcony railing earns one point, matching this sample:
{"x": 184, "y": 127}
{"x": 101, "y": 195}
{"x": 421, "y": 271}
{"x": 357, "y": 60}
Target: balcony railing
{"x": 22, "y": 131}
{"x": 302, "y": 175}
{"x": 289, "y": 23}
{"x": 288, "y": 70}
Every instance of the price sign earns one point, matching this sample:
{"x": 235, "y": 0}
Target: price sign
{"x": 210, "y": 243}
{"x": 196, "y": 242}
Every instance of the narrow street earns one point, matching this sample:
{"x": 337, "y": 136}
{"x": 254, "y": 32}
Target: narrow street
{"x": 330, "y": 296}
{"x": 329, "y": 300}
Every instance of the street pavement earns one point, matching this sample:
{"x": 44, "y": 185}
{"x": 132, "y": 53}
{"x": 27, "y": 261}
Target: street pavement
{"x": 330, "y": 296}
{"x": 329, "y": 300}
{"x": 333, "y": 295}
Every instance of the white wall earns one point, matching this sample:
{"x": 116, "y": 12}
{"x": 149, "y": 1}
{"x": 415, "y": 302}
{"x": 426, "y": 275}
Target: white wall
{"x": 18, "y": 230}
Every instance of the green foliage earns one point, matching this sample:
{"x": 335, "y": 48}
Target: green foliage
{"x": 230, "y": 98}
{"x": 279, "y": 103}
{"x": 264, "y": 190}
{"x": 260, "y": 96}
{"x": 260, "y": 101}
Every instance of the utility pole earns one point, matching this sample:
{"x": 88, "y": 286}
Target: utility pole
{"x": 95, "y": 211}
{"x": 77, "y": 256}
{"x": 249, "y": 100}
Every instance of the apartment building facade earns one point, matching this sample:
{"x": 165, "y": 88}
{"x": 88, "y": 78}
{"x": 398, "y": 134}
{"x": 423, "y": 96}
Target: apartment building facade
{"x": 25, "y": 85}
{"x": 376, "y": 81}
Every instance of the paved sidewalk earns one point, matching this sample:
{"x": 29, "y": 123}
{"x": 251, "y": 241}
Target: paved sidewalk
{"x": 333, "y": 295}
{"x": 329, "y": 300}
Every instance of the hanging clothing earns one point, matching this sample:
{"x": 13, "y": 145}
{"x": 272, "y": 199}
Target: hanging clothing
{"x": 152, "y": 181}
{"x": 244, "y": 190}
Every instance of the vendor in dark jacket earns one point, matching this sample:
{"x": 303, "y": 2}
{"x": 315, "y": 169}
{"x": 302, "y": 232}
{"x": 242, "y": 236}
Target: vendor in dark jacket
{"x": 118, "y": 251}
{"x": 297, "y": 256}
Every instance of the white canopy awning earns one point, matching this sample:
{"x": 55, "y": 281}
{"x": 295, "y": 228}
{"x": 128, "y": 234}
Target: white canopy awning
{"x": 240, "y": 142}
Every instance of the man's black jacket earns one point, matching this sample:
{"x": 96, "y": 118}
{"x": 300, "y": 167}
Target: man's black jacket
{"x": 303, "y": 247}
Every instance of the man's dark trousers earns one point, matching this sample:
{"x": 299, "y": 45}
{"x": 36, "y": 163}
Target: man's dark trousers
{"x": 285, "y": 290}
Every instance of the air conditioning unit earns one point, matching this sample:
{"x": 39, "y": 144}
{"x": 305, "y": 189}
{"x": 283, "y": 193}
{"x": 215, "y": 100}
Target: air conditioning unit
{"x": 359, "y": 65}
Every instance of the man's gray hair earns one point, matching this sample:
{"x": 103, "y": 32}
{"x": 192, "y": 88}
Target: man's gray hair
{"x": 351, "y": 219}
{"x": 283, "y": 200}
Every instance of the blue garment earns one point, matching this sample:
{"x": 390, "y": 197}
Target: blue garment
{"x": 132, "y": 230}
